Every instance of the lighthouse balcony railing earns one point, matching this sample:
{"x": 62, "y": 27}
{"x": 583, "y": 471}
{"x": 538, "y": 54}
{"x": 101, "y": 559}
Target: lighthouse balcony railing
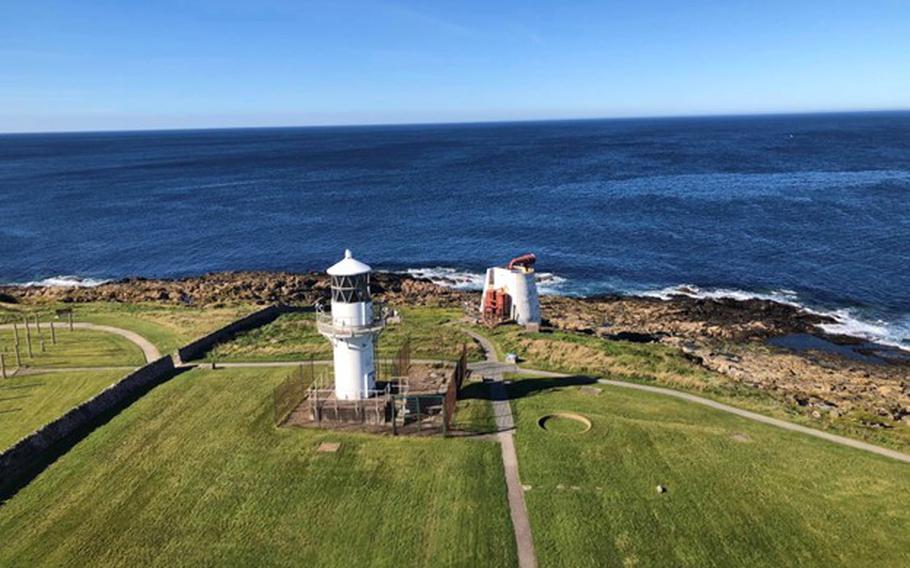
{"x": 349, "y": 327}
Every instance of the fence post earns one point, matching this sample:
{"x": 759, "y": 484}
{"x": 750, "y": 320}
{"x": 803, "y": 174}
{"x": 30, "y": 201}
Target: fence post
{"x": 394, "y": 424}
{"x": 71, "y": 319}
{"x": 38, "y": 325}
{"x": 16, "y": 331}
{"x": 2, "y": 366}
{"x": 53, "y": 334}
{"x": 18, "y": 357}
{"x": 28, "y": 338}
{"x": 419, "y": 419}
{"x": 316, "y": 412}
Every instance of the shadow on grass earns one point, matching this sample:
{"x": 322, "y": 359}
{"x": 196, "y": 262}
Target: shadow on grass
{"x": 491, "y": 392}
{"x": 529, "y": 387}
{"x": 11, "y": 482}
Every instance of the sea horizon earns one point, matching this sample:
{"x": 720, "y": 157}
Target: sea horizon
{"x": 802, "y": 208}
{"x": 478, "y": 122}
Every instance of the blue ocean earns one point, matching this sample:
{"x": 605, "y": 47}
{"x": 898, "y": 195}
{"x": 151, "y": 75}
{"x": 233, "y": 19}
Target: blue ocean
{"x": 807, "y": 209}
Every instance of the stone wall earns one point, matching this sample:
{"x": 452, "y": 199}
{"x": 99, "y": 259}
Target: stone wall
{"x": 21, "y": 462}
{"x": 198, "y": 348}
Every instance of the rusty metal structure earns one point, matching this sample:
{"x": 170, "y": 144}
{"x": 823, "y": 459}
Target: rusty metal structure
{"x": 291, "y": 392}
{"x": 459, "y": 374}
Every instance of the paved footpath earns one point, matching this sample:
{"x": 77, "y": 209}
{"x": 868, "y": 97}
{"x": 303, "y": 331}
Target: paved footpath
{"x": 505, "y": 426}
{"x": 148, "y": 348}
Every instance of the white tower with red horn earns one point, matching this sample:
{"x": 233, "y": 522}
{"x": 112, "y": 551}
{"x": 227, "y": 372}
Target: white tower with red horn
{"x": 352, "y": 327}
{"x": 510, "y": 292}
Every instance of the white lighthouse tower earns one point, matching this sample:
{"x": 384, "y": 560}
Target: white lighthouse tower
{"x": 352, "y": 327}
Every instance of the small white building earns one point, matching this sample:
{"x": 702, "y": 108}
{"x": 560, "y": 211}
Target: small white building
{"x": 352, "y": 327}
{"x": 510, "y": 292}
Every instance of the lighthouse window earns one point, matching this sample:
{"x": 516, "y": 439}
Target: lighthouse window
{"x": 350, "y": 289}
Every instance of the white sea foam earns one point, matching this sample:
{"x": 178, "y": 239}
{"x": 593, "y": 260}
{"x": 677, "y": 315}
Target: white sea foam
{"x": 449, "y": 277}
{"x": 896, "y": 334}
{"x": 68, "y": 281}
{"x": 847, "y": 321}
{"x": 781, "y": 296}
{"x": 547, "y": 282}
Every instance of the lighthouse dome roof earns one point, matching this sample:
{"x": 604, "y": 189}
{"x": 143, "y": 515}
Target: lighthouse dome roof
{"x": 348, "y": 266}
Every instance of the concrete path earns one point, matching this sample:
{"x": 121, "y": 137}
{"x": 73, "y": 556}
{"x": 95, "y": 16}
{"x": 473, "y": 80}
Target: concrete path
{"x": 149, "y": 350}
{"x": 834, "y": 438}
{"x": 505, "y": 425}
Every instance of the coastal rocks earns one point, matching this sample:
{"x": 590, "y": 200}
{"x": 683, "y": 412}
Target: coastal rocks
{"x": 725, "y": 336}
{"x": 236, "y": 287}
{"x": 680, "y": 316}
{"x": 729, "y": 337}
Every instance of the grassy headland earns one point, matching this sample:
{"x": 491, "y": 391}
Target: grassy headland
{"x": 656, "y": 363}
{"x": 195, "y": 473}
{"x": 293, "y": 337}
{"x": 739, "y": 493}
{"x": 31, "y": 401}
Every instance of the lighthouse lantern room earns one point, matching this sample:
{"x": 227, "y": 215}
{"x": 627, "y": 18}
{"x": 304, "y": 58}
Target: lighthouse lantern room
{"x": 352, "y": 327}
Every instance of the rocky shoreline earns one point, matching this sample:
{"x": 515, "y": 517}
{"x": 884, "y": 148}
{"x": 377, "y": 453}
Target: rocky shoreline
{"x": 724, "y": 335}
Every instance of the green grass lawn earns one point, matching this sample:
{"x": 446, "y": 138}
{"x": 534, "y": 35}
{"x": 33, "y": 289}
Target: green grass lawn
{"x": 77, "y": 348}
{"x": 663, "y": 365}
{"x": 195, "y": 473}
{"x": 293, "y": 337}
{"x": 739, "y": 493}
{"x": 167, "y": 326}
{"x": 31, "y": 401}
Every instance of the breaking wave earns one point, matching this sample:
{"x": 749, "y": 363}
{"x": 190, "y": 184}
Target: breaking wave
{"x": 68, "y": 281}
{"x": 547, "y": 282}
{"x": 780, "y": 296}
{"x": 847, "y": 321}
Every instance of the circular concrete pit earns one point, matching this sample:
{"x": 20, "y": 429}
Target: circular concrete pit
{"x": 564, "y": 423}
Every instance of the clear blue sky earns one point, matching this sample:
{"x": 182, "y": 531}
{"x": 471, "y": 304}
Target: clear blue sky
{"x": 121, "y": 64}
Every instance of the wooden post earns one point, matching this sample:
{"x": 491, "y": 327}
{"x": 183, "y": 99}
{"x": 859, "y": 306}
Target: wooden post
{"x": 417, "y": 400}
{"x": 71, "y": 319}
{"x": 16, "y": 331}
{"x": 18, "y": 357}
{"x": 38, "y": 325}
{"x": 42, "y": 346}
{"x": 53, "y": 333}
{"x": 2, "y": 366}
{"x": 394, "y": 424}
{"x": 28, "y": 338}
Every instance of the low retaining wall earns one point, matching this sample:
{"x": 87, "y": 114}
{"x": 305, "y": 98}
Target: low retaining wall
{"x": 21, "y": 462}
{"x": 198, "y": 348}
{"x": 29, "y": 456}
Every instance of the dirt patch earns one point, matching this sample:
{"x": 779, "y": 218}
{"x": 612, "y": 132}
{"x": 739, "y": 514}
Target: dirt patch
{"x": 328, "y": 447}
{"x": 740, "y": 437}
